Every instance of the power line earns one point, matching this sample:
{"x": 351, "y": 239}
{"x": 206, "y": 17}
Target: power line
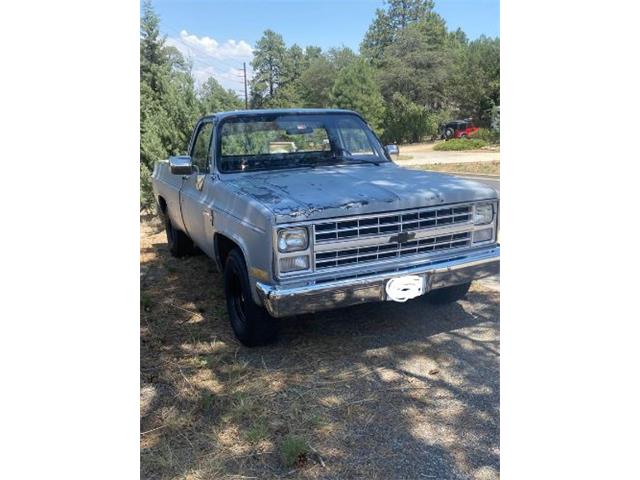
{"x": 223, "y": 75}
{"x": 198, "y": 48}
{"x": 226, "y": 76}
{"x": 246, "y": 100}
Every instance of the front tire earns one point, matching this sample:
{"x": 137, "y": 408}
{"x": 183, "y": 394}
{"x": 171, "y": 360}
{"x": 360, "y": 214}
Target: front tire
{"x": 443, "y": 296}
{"x": 251, "y": 323}
{"x": 448, "y": 133}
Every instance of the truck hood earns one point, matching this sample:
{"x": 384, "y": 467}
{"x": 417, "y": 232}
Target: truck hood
{"x": 327, "y": 192}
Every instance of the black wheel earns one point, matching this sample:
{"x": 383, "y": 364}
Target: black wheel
{"x": 179, "y": 243}
{"x": 448, "y": 133}
{"x": 251, "y": 323}
{"x": 446, "y": 295}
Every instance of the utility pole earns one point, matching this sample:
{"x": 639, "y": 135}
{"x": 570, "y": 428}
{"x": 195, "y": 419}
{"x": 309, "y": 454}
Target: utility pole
{"x": 246, "y": 100}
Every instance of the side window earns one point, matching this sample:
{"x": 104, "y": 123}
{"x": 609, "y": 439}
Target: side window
{"x": 201, "y": 147}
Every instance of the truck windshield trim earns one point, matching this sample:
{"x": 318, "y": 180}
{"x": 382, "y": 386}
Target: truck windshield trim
{"x": 280, "y": 140}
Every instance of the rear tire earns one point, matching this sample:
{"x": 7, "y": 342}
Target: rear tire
{"x": 251, "y": 323}
{"x": 442, "y": 296}
{"x": 179, "y": 243}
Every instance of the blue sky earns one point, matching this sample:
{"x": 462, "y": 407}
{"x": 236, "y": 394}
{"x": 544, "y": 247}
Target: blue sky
{"x": 218, "y": 35}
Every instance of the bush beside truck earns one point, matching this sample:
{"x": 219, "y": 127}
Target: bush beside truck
{"x": 460, "y": 144}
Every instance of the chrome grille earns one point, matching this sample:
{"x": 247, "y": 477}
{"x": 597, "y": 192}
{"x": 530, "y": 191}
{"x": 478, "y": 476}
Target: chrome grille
{"x": 342, "y": 257}
{"x": 392, "y": 223}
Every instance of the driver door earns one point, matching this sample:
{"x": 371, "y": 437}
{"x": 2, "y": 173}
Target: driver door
{"x": 197, "y": 216}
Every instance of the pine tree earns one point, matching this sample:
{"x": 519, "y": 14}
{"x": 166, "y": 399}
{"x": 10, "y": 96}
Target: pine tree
{"x": 355, "y": 89}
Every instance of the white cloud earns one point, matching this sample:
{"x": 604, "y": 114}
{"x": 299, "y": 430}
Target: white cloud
{"x": 229, "y": 49}
{"x": 210, "y": 58}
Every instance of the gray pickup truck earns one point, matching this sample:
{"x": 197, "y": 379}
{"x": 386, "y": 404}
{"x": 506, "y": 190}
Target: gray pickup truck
{"x": 304, "y": 210}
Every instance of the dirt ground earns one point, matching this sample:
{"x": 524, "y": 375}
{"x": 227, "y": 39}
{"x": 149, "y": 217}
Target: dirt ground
{"x": 379, "y": 391}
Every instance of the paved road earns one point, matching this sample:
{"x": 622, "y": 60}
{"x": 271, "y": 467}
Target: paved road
{"x": 492, "y": 182}
{"x": 429, "y": 157}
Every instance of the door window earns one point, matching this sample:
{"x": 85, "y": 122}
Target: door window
{"x": 202, "y": 148}
{"x": 354, "y": 138}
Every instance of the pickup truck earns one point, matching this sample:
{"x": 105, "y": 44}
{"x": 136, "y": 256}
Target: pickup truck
{"x": 304, "y": 210}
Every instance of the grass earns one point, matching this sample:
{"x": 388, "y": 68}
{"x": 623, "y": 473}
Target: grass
{"x": 145, "y": 301}
{"x": 207, "y": 402}
{"x": 483, "y": 168}
{"x": 460, "y": 144}
{"x": 259, "y": 431}
{"x": 294, "y": 450}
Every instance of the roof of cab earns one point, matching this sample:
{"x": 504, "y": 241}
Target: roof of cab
{"x": 299, "y": 111}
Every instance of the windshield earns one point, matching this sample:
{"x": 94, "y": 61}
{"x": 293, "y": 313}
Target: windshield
{"x": 283, "y": 140}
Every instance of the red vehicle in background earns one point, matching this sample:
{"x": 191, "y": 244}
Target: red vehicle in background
{"x": 458, "y": 129}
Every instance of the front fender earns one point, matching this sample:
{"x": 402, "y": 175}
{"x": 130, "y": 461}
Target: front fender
{"x": 251, "y": 232}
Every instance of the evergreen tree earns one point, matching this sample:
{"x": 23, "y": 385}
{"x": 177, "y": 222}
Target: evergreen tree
{"x": 416, "y": 65}
{"x": 389, "y": 22}
{"x": 356, "y": 89}
{"x": 268, "y": 66}
{"x": 214, "y": 98}
{"x": 168, "y": 103}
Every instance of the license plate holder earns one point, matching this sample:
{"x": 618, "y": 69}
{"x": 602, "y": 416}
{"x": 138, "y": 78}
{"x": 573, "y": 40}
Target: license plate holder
{"x": 401, "y": 289}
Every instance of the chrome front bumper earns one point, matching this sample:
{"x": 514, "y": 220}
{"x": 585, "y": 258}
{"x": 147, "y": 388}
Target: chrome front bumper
{"x": 284, "y": 302}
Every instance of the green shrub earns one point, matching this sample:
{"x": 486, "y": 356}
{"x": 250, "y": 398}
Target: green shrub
{"x": 488, "y": 135}
{"x": 407, "y": 122}
{"x": 294, "y": 449}
{"x": 146, "y": 191}
{"x": 460, "y": 144}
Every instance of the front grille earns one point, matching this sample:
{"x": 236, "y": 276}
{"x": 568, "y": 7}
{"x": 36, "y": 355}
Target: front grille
{"x": 392, "y": 223}
{"x": 341, "y": 257}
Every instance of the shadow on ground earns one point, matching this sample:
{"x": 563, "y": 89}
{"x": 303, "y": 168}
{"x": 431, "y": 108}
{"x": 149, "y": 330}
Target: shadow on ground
{"x": 378, "y": 391}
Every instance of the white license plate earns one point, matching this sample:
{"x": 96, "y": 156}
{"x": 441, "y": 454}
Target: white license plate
{"x": 401, "y": 289}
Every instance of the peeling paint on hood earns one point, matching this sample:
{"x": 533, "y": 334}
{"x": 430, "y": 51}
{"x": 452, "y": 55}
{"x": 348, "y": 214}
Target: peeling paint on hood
{"x": 326, "y": 192}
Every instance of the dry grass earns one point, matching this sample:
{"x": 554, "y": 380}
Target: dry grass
{"x": 378, "y": 391}
{"x": 485, "y": 168}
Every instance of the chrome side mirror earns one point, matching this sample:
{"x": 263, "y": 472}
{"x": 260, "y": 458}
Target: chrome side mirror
{"x": 393, "y": 150}
{"x": 180, "y": 165}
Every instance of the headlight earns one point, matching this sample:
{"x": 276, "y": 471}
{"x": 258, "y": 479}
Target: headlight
{"x": 483, "y": 214}
{"x": 292, "y": 240}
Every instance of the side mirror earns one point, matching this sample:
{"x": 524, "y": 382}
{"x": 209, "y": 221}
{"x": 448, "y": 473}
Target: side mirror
{"x": 180, "y": 165}
{"x": 392, "y": 150}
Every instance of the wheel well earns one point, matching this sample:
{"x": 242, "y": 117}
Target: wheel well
{"x": 223, "y": 246}
{"x": 163, "y": 205}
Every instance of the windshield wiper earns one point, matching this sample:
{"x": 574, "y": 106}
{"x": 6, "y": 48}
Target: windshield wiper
{"x": 346, "y": 156}
{"x": 346, "y": 159}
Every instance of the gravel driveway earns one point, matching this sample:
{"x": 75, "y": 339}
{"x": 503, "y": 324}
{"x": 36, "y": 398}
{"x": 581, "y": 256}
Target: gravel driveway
{"x": 433, "y": 156}
{"x": 386, "y": 390}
